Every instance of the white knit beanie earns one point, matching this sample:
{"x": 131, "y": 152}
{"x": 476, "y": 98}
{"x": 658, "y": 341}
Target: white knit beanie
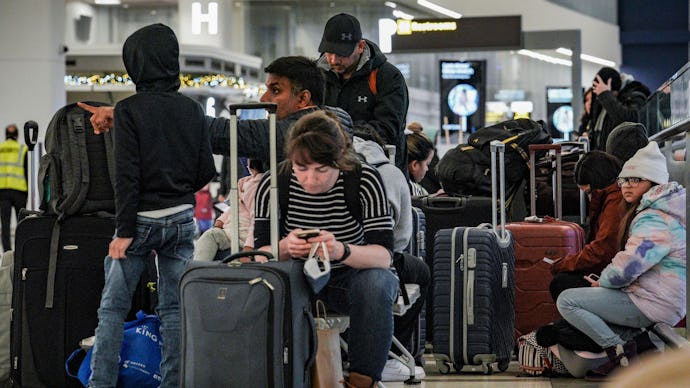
{"x": 647, "y": 163}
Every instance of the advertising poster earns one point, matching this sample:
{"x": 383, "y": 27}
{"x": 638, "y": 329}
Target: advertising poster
{"x": 559, "y": 111}
{"x": 463, "y": 96}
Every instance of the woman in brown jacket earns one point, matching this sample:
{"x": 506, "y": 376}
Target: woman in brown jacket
{"x": 595, "y": 174}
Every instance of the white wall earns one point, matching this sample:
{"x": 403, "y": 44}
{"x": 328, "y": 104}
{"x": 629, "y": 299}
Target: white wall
{"x": 31, "y": 61}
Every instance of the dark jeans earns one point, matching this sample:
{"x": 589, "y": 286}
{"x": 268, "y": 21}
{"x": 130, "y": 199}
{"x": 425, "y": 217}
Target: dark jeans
{"x": 9, "y": 199}
{"x": 412, "y": 270}
{"x": 565, "y": 280}
{"x": 367, "y": 296}
{"x": 172, "y": 237}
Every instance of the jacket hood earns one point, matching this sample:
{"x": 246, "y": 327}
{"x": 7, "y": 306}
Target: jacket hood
{"x": 668, "y": 198}
{"x": 342, "y": 116}
{"x": 151, "y": 57}
{"x": 372, "y": 152}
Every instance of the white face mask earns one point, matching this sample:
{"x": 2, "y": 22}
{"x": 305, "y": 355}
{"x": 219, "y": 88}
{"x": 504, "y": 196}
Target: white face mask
{"x": 316, "y": 276}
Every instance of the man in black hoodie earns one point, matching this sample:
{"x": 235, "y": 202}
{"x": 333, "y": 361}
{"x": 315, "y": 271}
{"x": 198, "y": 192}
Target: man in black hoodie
{"x": 360, "y": 80}
{"x": 162, "y": 157}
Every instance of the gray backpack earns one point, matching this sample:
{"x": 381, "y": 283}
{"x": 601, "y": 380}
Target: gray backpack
{"x": 75, "y": 175}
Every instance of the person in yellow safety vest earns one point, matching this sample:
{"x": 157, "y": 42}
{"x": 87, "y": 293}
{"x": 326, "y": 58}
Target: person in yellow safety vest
{"x": 13, "y": 181}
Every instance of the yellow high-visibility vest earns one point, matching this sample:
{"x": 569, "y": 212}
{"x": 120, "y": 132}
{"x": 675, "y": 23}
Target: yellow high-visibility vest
{"x": 12, "y": 156}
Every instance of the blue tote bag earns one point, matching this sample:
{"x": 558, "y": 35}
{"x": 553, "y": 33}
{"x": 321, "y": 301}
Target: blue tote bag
{"x": 140, "y": 356}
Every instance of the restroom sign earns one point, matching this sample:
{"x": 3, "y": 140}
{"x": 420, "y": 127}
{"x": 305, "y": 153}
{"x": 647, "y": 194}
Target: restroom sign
{"x": 467, "y": 33}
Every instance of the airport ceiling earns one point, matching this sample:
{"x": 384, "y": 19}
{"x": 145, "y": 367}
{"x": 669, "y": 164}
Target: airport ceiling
{"x": 145, "y": 3}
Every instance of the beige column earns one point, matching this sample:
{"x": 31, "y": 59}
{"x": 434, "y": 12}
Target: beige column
{"x": 32, "y": 61}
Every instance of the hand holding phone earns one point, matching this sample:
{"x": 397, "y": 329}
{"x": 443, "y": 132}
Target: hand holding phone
{"x": 308, "y": 233}
{"x": 592, "y": 278}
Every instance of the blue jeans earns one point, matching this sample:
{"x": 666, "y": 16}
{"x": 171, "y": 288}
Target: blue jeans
{"x": 172, "y": 238}
{"x": 367, "y": 296}
{"x": 592, "y": 309}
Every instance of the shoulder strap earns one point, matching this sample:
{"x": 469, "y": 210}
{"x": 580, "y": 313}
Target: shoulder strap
{"x": 351, "y": 181}
{"x": 76, "y": 163}
{"x": 283, "y": 189}
{"x": 372, "y": 81}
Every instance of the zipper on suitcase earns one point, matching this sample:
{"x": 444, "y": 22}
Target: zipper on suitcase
{"x": 504, "y": 275}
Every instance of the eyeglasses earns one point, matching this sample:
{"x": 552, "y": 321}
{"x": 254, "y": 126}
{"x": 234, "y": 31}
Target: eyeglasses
{"x": 631, "y": 181}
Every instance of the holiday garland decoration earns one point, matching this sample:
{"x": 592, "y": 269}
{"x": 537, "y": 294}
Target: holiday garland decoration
{"x": 186, "y": 81}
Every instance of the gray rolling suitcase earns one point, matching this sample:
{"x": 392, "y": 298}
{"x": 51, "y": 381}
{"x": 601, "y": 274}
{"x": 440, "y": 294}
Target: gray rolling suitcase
{"x": 246, "y": 325}
{"x": 474, "y": 290}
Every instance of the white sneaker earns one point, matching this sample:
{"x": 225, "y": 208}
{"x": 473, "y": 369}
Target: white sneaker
{"x": 397, "y": 371}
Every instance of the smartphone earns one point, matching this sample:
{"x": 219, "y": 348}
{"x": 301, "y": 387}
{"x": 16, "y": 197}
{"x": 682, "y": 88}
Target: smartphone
{"x": 547, "y": 260}
{"x": 308, "y": 233}
{"x": 592, "y": 277}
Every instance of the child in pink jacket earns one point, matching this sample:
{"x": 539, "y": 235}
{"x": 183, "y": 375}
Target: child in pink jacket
{"x": 220, "y": 236}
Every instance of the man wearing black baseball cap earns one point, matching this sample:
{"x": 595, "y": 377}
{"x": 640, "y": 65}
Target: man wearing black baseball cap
{"x": 360, "y": 80}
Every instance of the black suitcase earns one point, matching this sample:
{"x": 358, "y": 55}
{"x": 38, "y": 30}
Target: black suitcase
{"x": 474, "y": 292}
{"x": 43, "y": 337}
{"x": 417, "y": 248}
{"x": 246, "y": 324}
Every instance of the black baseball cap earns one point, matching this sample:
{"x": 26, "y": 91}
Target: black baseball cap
{"x": 341, "y": 35}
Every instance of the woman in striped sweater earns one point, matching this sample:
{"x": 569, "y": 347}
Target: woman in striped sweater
{"x": 359, "y": 239}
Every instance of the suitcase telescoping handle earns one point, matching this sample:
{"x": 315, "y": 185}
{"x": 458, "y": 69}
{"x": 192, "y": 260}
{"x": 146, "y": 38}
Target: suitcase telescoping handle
{"x": 498, "y": 150}
{"x": 558, "y": 201}
{"x": 234, "y": 193}
{"x": 31, "y": 139}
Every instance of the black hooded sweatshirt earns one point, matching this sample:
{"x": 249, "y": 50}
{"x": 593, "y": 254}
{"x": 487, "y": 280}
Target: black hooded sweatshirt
{"x": 162, "y": 148}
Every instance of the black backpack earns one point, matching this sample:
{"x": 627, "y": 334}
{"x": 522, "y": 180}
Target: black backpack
{"x": 517, "y": 135}
{"x": 76, "y": 174}
{"x": 464, "y": 170}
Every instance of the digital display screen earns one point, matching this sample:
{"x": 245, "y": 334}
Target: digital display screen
{"x": 559, "y": 111}
{"x": 463, "y": 95}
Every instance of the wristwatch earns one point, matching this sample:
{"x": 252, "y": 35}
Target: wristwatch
{"x": 346, "y": 254}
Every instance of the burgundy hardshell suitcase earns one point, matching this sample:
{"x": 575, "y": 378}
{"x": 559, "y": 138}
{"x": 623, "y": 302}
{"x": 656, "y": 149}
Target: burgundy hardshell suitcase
{"x": 534, "y": 239}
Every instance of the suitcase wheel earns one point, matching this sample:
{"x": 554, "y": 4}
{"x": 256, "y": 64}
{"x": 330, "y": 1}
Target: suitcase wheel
{"x": 488, "y": 369}
{"x": 443, "y": 367}
{"x": 503, "y": 365}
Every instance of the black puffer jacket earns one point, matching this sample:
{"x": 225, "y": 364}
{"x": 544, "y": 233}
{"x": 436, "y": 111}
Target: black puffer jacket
{"x": 385, "y": 111}
{"x": 623, "y": 107}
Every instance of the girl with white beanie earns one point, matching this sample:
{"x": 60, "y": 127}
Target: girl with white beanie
{"x": 645, "y": 282}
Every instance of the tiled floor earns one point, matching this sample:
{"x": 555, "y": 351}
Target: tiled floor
{"x": 476, "y": 379}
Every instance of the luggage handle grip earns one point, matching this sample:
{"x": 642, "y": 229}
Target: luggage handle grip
{"x": 30, "y": 134}
{"x": 442, "y": 202}
{"x": 269, "y": 106}
{"x": 544, "y": 147}
{"x": 251, "y": 254}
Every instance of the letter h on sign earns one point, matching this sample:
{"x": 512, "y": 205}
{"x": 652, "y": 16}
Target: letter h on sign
{"x": 211, "y": 18}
